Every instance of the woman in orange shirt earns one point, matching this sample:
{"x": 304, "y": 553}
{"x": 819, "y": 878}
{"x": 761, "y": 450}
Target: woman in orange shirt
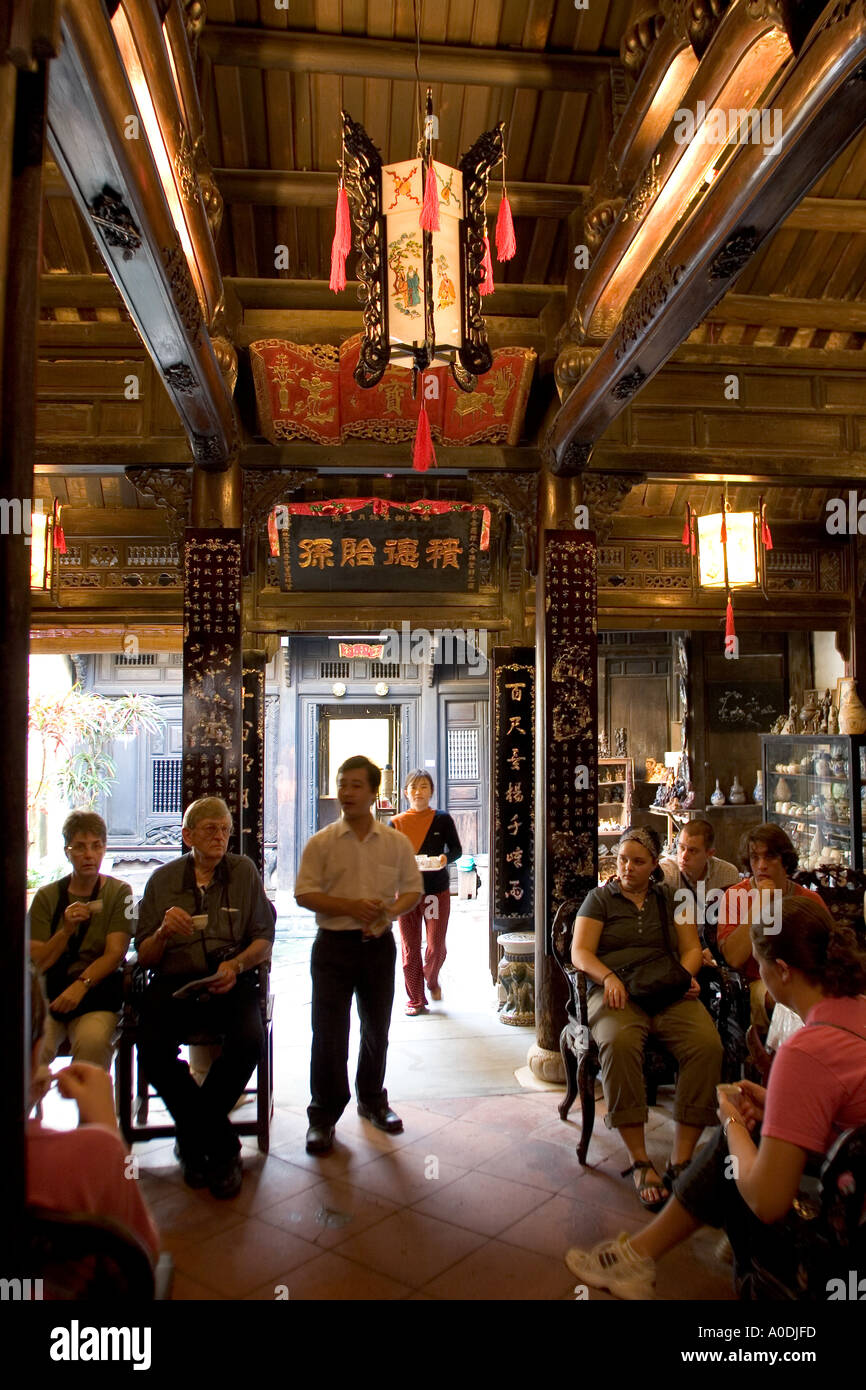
{"x": 433, "y": 835}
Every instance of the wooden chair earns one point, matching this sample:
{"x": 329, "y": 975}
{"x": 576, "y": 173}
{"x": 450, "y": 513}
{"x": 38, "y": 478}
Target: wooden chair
{"x": 841, "y": 890}
{"x": 82, "y": 1257}
{"x": 131, "y": 1087}
{"x": 825, "y": 1244}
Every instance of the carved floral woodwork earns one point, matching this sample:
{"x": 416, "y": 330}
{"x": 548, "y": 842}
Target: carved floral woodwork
{"x": 603, "y": 494}
{"x": 169, "y": 488}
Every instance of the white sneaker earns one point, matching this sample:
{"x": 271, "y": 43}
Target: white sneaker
{"x": 614, "y": 1266}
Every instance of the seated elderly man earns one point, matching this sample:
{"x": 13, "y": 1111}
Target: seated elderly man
{"x": 79, "y": 929}
{"x": 204, "y": 922}
{"x": 695, "y": 872}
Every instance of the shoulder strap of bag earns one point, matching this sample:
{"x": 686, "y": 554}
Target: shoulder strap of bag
{"x": 658, "y": 890}
{"x": 821, "y": 1023}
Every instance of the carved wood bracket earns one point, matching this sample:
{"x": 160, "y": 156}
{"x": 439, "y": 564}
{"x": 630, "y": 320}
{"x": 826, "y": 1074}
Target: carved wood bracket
{"x": 603, "y": 494}
{"x": 518, "y": 494}
{"x": 169, "y": 488}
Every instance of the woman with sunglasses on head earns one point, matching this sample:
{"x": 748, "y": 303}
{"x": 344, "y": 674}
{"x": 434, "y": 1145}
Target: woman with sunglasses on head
{"x": 816, "y": 1091}
{"x": 642, "y": 964}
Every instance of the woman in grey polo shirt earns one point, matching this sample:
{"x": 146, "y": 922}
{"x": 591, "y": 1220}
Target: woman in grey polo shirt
{"x": 619, "y": 925}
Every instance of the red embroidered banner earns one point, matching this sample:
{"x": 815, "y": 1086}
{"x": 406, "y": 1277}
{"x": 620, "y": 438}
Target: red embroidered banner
{"x": 309, "y": 392}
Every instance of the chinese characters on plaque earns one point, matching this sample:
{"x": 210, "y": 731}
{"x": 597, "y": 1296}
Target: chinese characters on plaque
{"x": 212, "y": 677}
{"x": 513, "y": 691}
{"x": 571, "y": 697}
{"x": 363, "y": 552}
{"x": 253, "y": 754}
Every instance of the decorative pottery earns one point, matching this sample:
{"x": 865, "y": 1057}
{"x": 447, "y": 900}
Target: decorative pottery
{"x": 736, "y": 796}
{"x": 758, "y": 790}
{"x": 832, "y": 721}
{"x": 718, "y": 796}
{"x": 783, "y": 790}
{"x": 852, "y": 711}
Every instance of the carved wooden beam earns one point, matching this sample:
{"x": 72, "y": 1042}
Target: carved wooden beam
{"x": 116, "y": 184}
{"x": 236, "y": 46}
{"x": 822, "y": 101}
{"x": 782, "y": 311}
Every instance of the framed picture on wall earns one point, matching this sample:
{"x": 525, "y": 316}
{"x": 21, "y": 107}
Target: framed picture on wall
{"x": 744, "y": 706}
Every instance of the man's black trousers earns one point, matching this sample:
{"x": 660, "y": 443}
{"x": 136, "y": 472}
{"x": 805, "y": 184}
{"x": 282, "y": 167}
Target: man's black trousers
{"x": 344, "y": 963}
{"x": 233, "y": 1019}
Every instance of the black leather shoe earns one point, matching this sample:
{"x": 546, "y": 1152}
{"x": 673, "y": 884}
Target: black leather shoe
{"x": 195, "y": 1170}
{"x": 226, "y": 1178}
{"x": 320, "y": 1139}
{"x": 383, "y": 1118}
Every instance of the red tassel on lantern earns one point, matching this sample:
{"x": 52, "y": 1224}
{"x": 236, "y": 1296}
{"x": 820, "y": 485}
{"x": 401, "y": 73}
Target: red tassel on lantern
{"x": 59, "y": 538}
{"x": 429, "y": 219}
{"x": 687, "y": 529}
{"x": 423, "y": 453}
{"x": 506, "y": 242}
{"x": 487, "y": 286}
{"x": 342, "y": 243}
{"x": 765, "y": 532}
{"x": 729, "y": 620}
{"x": 723, "y": 534}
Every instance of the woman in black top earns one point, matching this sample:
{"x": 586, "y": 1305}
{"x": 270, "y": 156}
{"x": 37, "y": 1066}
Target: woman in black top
{"x": 433, "y": 835}
{"x": 619, "y": 927}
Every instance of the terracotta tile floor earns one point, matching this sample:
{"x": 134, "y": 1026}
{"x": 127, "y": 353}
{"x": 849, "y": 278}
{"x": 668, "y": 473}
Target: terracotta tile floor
{"x": 477, "y": 1205}
{"x": 478, "y": 1199}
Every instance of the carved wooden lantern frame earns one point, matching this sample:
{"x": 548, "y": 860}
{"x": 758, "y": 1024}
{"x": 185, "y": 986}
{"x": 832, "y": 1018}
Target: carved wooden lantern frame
{"x": 471, "y": 356}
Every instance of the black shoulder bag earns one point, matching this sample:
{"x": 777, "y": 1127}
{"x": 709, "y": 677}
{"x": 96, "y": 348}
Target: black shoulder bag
{"x": 106, "y": 994}
{"x": 658, "y": 980}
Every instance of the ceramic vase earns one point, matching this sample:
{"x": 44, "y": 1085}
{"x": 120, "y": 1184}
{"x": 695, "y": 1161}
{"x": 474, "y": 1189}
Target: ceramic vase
{"x": 736, "y": 796}
{"x": 758, "y": 791}
{"x": 852, "y": 711}
{"x": 718, "y": 796}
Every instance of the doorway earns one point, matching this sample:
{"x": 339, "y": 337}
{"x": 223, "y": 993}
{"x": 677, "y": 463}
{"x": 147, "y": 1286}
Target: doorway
{"x": 345, "y": 731}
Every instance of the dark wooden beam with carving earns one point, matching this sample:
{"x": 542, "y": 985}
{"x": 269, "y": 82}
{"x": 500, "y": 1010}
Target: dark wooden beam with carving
{"x": 822, "y": 106}
{"x": 117, "y": 187}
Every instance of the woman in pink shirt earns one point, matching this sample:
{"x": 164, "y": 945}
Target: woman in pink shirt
{"x": 84, "y": 1169}
{"x": 817, "y": 1090}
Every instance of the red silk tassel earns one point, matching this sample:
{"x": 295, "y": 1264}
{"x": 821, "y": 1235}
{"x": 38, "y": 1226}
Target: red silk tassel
{"x": 687, "y": 530}
{"x": 59, "y": 538}
{"x": 429, "y": 219}
{"x": 506, "y": 242}
{"x": 723, "y": 534}
{"x": 342, "y": 243}
{"x": 729, "y": 620}
{"x": 423, "y": 453}
{"x": 487, "y": 286}
{"x": 765, "y": 532}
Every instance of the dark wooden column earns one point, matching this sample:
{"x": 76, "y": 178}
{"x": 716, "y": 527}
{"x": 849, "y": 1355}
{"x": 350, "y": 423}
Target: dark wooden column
{"x": 22, "y": 121}
{"x": 512, "y": 794}
{"x": 558, "y": 497}
{"x": 212, "y": 666}
{"x": 253, "y": 782}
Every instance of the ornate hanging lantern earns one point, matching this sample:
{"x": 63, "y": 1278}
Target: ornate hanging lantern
{"x": 421, "y": 230}
{"x": 728, "y": 551}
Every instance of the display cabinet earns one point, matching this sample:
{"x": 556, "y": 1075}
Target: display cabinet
{"x": 814, "y": 786}
{"x": 615, "y": 787}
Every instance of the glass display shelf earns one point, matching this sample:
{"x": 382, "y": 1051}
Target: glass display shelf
{"x": 814, "y": 788}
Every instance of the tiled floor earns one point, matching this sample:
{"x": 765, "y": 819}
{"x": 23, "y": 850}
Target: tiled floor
{"x": 477, "y": 1199}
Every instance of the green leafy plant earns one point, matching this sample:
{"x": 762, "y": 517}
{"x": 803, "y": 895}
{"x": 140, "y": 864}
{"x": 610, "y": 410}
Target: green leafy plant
{"x": 80, "y": 727}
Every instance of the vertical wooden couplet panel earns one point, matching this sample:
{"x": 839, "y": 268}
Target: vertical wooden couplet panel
{"x": 212, "y": 670}
{"x": 512, "y": 695}
{"x": 569, "y": 813}
{"x": 253, "y": 792}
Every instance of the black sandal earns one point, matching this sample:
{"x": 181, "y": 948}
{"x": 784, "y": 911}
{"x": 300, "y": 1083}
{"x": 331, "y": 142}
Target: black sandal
{"x": 643, "y": 1186}
{"x": 672, "y": 1172}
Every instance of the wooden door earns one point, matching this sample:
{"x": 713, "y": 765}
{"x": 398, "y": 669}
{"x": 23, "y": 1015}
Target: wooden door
{"x": 465, "y": 758}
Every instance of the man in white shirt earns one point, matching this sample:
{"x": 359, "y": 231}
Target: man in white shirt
{"x": 696, "y": 863}
{"x": 358, "y": 876}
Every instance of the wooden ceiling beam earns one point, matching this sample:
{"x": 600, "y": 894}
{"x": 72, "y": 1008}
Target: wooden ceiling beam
{"x": 311, "y": 189}
{"x": 508, "y": 300}
{"x": 229, "y": 45}
{"x": 835, "y": 315}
